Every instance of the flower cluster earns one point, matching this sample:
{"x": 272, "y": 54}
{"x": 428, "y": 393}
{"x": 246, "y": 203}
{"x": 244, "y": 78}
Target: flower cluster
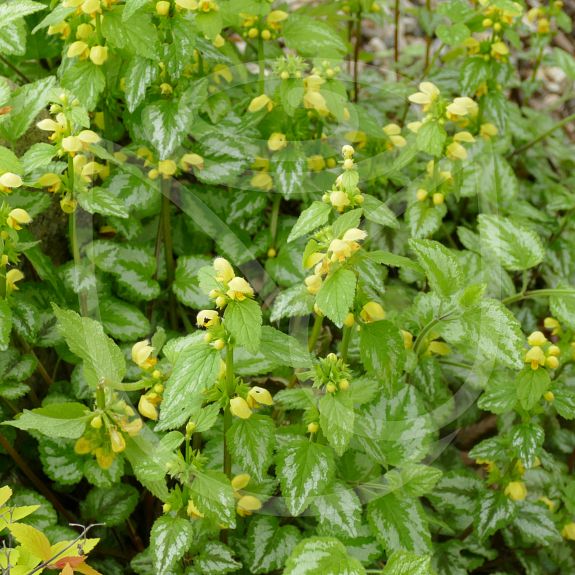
{"x": 231, "y": 287}
{"x": 9, "y": 253}
{"x": 256, "y": 397}
{"x": 542, "y": 352}
{"x": 265, "y": 28}
{"x": 345, "y": 194}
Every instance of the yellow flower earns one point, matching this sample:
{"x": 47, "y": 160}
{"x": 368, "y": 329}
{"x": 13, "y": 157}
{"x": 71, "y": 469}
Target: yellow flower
{"x": 117, "y": 441}
{"x": 163, "y": 7}
{"x": 313, "y": 283}
{"x": 78, "y": 48}
{"x": 516, "y": 490}
{"x": 552, "y": 324}
{"x": 224, "y": 270}
{"x": 167, "y": 167}
{"x": 12, "y": 277}
{"x": 536, "y": 338}
{"x": 438, "y": 199}
{"x": 549, "y": 396}
{"x": 259, "y": 395}
{"x": 349, "y": 320}
{"x": 192, "y": 160}
{"x": 414, "y": 126}
{"x": 550, "y": 504}
{"x": 426, "y": 96}
{"x": 88, "y": 137}
{"x": 193, "y": 511}
{"x": 207, "y": 318}
{"x": 260, "y": 102}
{"x": 68, "y": 205}
{"x": 393, "y": 131}
{"x": 421, "y": 194}
{"x": 91, "y": 6}
{"x": 463, "y": 137}
{"x": 543, "y": 26}
{"x": 98, "y": 55}
{"x": 487, "y": 131}
{"x": 187, "y": 4}
{"x": 277, "y": 141}
{"x": 62, "y": 28}
{"x": 263, "y": 181}
{"x": 312, "y": 427}
{"x": 17, "y": 218}
{"x": 239, "y": 289}
{"x": 552, "y": 362}
{"x": 535, "y": 357}
{"x": 407, "y": 339}
{"x": 568, "y": 531}
{"x": 372, "y": 311}
{"x": 438, "y": 348}
{"x": 276, "y": 16}
{"x": 147, "y": 408}
{"x": 554, "y": 350}
{"x": 248, "y": 504}
{"x": 72, "y": 144}
{"x": 104, "y": 458}
{"x": 347, "y": 152}
{"x": 240, "y": 408}
{"x": 499, "y": 50}
{"x": 10, "y": 180}
{"x": 83, "y": 446}
{"x": 316, "y": 163}
{"x": 339, "y": 200}
{"x": 142, "y": 354}
{"x": 462, "y": 107}
{"x": 240, "y": 481}
{"x": 455, "y": 151}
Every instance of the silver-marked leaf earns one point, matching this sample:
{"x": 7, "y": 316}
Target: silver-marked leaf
{"x": 170, "y": 539}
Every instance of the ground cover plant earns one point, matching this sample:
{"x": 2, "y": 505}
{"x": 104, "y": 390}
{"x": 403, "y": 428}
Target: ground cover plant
{"x": 287, "y": 288}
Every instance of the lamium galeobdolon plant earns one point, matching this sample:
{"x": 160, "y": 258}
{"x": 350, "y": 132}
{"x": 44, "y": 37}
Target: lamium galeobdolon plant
{"x": 286, "y": 290}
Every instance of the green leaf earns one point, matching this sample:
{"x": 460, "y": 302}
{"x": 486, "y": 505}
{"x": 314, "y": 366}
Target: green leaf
{"x": 137, "y": 193}
{"x": 55, "y": 420}
{"x": 101, "y": 201}
{"x": 194, "y": 371}
{"x": 288, "y": 168}
{"x": 165, "y": 124}
{"x": 500, "y": 395}
{"x": 531, "y": 384}
{"x": 536, "y": 525}
{"x": 338, "y": 511}
{"x": 283, "y": 348}
{"x": 5, "y": 322}
{"x": 123, "y": 320}
{"x": 86, "y": 81}
{"x": 563, "y": 308}
{"x": 440, "y": 266}
{"x": 424, "y": 219}
{"x": 413, "y": 479}
{"x": 292, "y": 302}
{"x": 336, "y": 295}
{"x": 565, "y": 61}
{"x": 325, "y": 555}
{"x": 564, "y": 402}
{"x": 457, "y": 492}
{"x": 110, "y": 505}
{"x": 431, "y": 138}
{"x": 474, "y": 72}
{"x": 495, "y": 511}
{"x": 26, "y": 103}
{"x": 169, "y": 540}
{"x": 243, "y": 319}
{"x": 526, "y": 439}
{"x": 140, "y": 74}
{"x": 212, "y": 493}
{"x": 11, "y": 11}
{"x": 407, "y": 563}
{"x": 452, "y": 34}
{"x": 399, "y": 523}
{"x": 215, "y": 559}
{"x": 133, "y": 6}
{"x": 311, "y": 37}
{"x": 103, "y": 477}
{"x": 251, "y": 443}
{"x": 305, "y": 470}
{"x": 103, "y": 359}
{"x": 186, "y": 284}
{"x": 310, "y": 219}
{"x": 382, "y": 351}
{"x": 268, "y": 545}
{"x": 37, "y": 156}
{"x": 516, "y": 248}
{"x": 336, "y": 419}
{"x": 376, "y": 211}
{"x": 135, "y": 34}
{"x": 60, "y": 462}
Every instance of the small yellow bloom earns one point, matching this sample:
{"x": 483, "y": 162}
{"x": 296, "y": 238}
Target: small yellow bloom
{"x": 48, "y": 125}
{"x": 349, "y": 320}
{"x": 371, "y": 312}
{"x": 82, "y": 446}
{"x": 347, "y": 152}
{"x": 72, "y": 144}
{"x": 88, "y": 137}
{"x": 421, "y": 194}
{"x": 277, "y": 141}
{"x": 193, "y": 511}
{"x": 568, "y": 531}
{"x": 207, "y": 318}
{"x": 117, "y": 441}
{"x": 313, "y": 283}
{"x": 553, "y": 325}
{"x": 104, "y": 458}
{"x": 549, "y": 396}
{"x": 259, "y": 395}
{"x": 240, "y": 408}
{"x": 187, "y": 4}
{"x": 552, "y": 362}
{"x": 192, "y": 160}
{"x": 248, "y": 504}
{"x": 488, "y": 131}
{"x": 163, "y": 7}
{"x": 263, "y": 181}
{"x": 455, "y": 151}
{"x": 516, "y": 490}
{"x": 554, "y": 350}
{"x": 438, "y": 199}
{"x": 167, "y": 167}
{"x": 224, "y": 270}
{"x": 463, "y": 137}
{"x": 499, "y": 50}
{"x": 339, "y": 200}
{"x": 462, "y": 107}
{"x": 438, "y": 348}
{"x": 414, "y": 126}
{"x": 78, "y": 48}
{"x": 536, "y": 338}
{"x": 550, "y": 504}
{"x": 68, "y": 205}
{"x": 535, "y": 357}
{"x": 259, "y": 103}
{"x": 10, "y": 180}
{"x": 98, "y": 55}
{"x": 393, "y": 131}
{"x": 142, "y": 354}
{"x": 84, "y": 31}
{"x": 12, "y": 277}
{"x": 313, "y": 427}
{"x": 239, "y": 289}
{"x": 240, "y": 481}
{"x": 276, "y": 16}
{"x": 17, "y": 218}
{"x": 407, "y": 339}
{"x": 316, "y": 163}
{"x": 426, "y": 96}
{"x": 147, "y": 408}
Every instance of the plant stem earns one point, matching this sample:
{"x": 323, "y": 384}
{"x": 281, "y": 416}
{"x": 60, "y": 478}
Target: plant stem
{"x": 396, "y": 16}
{"x": 166, "y": 225}
{"x": 356, "y": 49}
{"x": 14, "y": 69}
{"x": 316, "y": 330}
{"x": 538, "y": 293}
{"x": 425, "y": 331}
{"x": 542, "y": 136}
{"x": 262, "y": 65}
{"x": 40, "y": 366}
{"x": 428, "y": 37}
{"x": 230, "y": 390}
{"x": 2, "y": 282}
{"x": 35, "y": 480}
{"x": 347, "y": 331}
{"x": 274, "y": 219}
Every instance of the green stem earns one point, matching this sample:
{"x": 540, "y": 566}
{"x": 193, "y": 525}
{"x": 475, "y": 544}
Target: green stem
{"x": 169, "y": 251}
{"x": 262, "y": 65}
{"x": 99, "y": 28}
{"x": 2, "y": 282}
{"x": 425, "y": 331}
{"x": 230, "y": 390}
{"x": 14, "y": 69}
{"x": 356, "y": 50}
{"x": 134, "y": 386}
{"x": 538, "y": 293}
{"x": 537, "y": 64}
{"x": 316, "y": 330}
{"x": 274, "y": 219}
{"x": 396, "y": 18}
{"x": 428, "y": 37}
{"x": 542, "y": 136}
{"x": 347, "y": 331}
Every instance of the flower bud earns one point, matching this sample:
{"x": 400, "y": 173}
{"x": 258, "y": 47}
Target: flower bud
{"x": 117, "y": 441}
{"x": 240, "y": 481}
{"x": 18, "y": 217}
{"x": 536, "y": 338}
{"x": 96, "y": 422}
{"x": 516, "y": 490}
{"x": 313, "y": 427}
{"x": 240, "y": 408}
{"x": 147, "y": 408}
{"x": 162, "y": 8}
{"x": 371, "y": 312}
{"x": 99, "y": 55}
